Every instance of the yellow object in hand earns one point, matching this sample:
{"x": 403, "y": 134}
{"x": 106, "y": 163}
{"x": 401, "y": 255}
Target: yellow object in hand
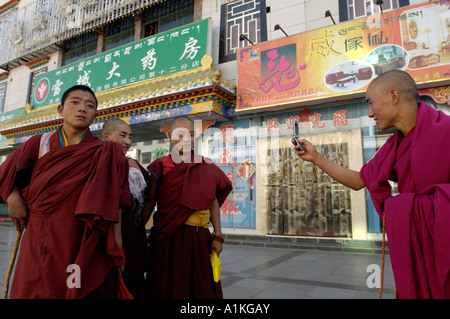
{"x": 215, "y": 264}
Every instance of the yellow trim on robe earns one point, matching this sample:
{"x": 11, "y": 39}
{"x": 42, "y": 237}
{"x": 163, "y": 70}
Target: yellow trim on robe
{"x": 199, "y": 218}
{"x": 64, "y": 137}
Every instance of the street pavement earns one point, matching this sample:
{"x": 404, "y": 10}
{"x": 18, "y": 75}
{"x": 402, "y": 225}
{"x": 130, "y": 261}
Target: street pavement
{"x": 274, "y": 273}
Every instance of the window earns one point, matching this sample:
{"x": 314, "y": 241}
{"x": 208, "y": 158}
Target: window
{"x": 166, "y": 16}
{"x": 246, "y": 17}
{"x": 120, "y": 32}
{"x": 355, "y": 9}
{"x": 157, "y": 18}
{"x": 81, "y": 47}
{"x": 151, "y": 29}
{"x": 362, "y": 8}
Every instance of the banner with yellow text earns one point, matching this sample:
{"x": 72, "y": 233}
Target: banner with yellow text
{"x": 339, "y": 61}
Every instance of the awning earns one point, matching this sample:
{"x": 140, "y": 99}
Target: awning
{"x": 201, "y": 93}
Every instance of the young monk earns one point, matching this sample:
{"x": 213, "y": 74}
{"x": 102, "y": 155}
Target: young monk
{"x": 189, "y": 191}
{"x": 67, "y": 188}
{"x": 417, "y": 157}
{"x": 134, "y": 237}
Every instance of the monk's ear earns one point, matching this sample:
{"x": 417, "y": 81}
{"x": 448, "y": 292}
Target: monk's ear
{"x": 105, "y": 135}
{"x": 395, "y": 95}
{"x": 60, "y": 109}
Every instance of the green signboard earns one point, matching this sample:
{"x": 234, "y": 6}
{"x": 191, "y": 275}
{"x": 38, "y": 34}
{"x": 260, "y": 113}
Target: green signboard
{"x": 4, "y": 117}
{"x": 166, "y": 53}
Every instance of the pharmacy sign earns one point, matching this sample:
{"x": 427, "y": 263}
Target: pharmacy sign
{"x": 163, "y": 54}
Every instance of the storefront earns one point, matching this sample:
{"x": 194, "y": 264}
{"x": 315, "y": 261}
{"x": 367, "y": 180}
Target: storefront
{"x": 319, "y": 78}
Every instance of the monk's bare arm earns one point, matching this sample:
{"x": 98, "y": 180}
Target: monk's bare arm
{"x": 150, "y": 202}
{"x": 17, "y": 209}
{"x": 215, "y": 220}
{"x": 117, "y": 229}
{"x": 345, "y": 176}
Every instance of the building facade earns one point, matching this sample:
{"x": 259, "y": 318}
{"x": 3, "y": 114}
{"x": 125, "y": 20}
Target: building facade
{"x": 245, "y": 71}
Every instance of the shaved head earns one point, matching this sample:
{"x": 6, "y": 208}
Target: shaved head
{"x": 392, "y": 99}
{"x": 396, "y": 80}
{"x": 181, "y": 121}
{"x": 118, "y": 131}
{"x": 112, "y": 124}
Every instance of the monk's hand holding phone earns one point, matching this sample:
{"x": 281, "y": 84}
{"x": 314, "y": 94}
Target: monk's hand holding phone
{"x": 298, "y": 146}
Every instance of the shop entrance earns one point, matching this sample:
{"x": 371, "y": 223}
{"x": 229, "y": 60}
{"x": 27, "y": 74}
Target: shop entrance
{"x": 300, "y": 199}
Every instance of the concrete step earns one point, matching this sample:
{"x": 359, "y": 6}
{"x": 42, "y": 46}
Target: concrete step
{"x": 308, "y": 243}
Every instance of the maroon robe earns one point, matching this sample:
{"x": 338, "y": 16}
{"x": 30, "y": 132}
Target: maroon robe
{"x": 418, "y": 219}
{"x": 179, "y": 254}
{"x": 73, "y": 195}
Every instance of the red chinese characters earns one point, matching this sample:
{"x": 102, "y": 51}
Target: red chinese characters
{"x": 227, "y": 136}
{"x": 272, "y": 126}
{"x": 227, "y": 158}
{"x": 340, "y": 118}
{"x": 226, "y": 133}
{"x": 313, "y": 120}
{"x": 245, "y": 169}
{"x": 283, "y": 73}
{"x": 228, "y": 207}
{"x": 231, "y": 177}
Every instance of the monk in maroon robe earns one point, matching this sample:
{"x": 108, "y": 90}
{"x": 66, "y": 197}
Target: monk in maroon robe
{"x": 134, "y": 237}
{"x": 417, "y": 157}
{"x": 189, "y": 191}
{"x": 67, "y": 188}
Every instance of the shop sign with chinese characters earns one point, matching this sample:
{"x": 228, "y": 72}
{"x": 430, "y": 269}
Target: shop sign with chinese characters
{"x": 4, "y": 117}
{"x": 339, "y": 61}
{"x": 166, "y": 53}
{"x": 314, "y": 121}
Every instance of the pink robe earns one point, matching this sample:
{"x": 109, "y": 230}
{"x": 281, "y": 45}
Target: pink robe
{"x": 418, "y": 219}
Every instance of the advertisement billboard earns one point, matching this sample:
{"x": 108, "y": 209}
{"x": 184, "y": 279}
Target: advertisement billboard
{"x": 338, "y": 61}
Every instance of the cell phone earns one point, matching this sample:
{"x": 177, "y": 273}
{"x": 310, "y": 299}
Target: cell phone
{"x": 295, "y": 136}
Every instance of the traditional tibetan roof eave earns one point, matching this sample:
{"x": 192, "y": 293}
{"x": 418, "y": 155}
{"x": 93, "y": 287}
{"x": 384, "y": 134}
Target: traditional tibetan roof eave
{"x": 194, "y": 87}
{"x": 440, "y": 94}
